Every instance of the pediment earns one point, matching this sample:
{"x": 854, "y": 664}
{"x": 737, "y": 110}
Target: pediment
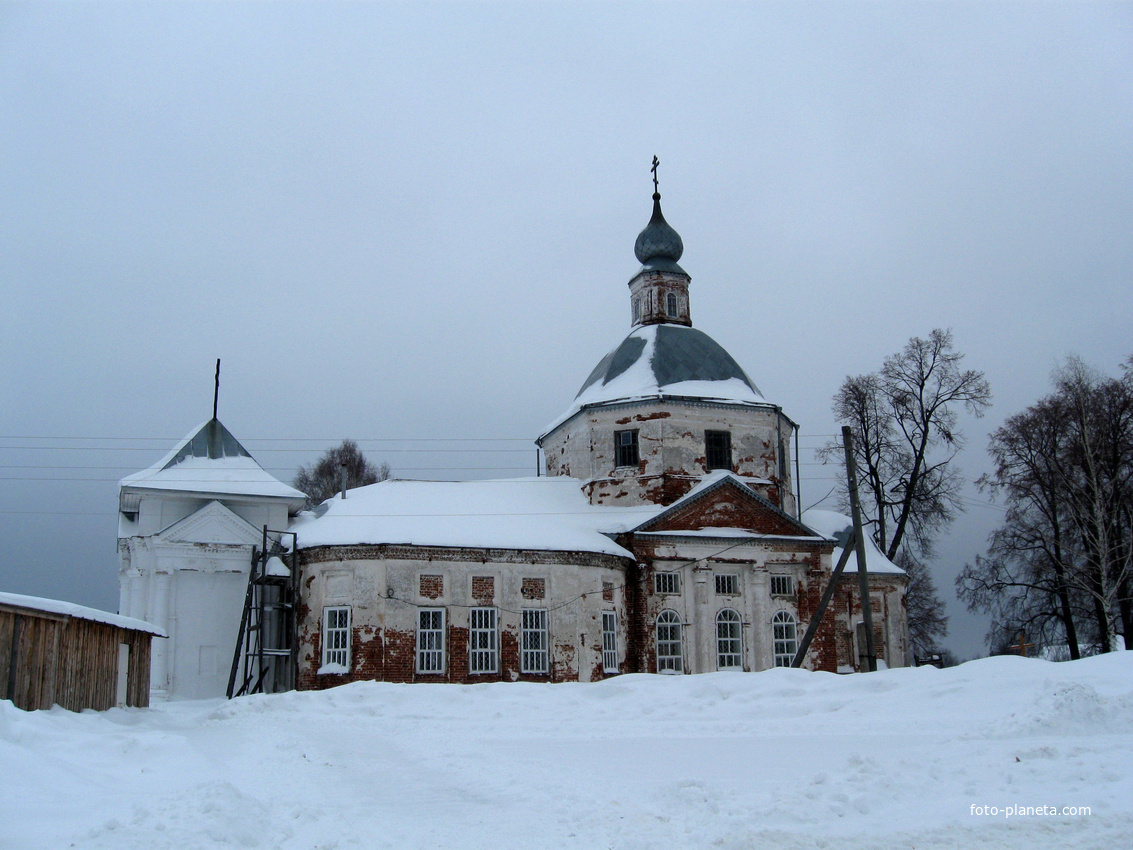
{"x": 213, "y": 524}
{"x": 727, "y": 504}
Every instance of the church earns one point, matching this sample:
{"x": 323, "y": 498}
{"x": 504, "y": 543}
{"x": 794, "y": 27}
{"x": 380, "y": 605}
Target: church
{"x": 664, "y": 536}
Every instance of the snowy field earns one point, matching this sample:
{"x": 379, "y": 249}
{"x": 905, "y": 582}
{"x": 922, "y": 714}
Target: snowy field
{"x": 784, "y": 758}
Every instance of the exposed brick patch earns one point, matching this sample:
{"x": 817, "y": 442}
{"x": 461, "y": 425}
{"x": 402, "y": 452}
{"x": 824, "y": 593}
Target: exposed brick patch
{"x": 432, "y": 587}
{"x": 562, "y": 668}
{"x": 534, "y": 588}
{"x": 483, "y": 588}
{"x": 607, "y": 591}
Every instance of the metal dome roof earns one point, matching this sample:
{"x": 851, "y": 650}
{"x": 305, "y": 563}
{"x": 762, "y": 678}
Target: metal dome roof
{"x": 677, "y": 355}
{"x": 665, "y": 361}
{"x": 659, "y": 246}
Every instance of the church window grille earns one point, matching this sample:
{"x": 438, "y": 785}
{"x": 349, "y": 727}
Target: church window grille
{"x": 728, "y": 641}
{"x": 670, "y": 644}
{"x": 431, "y": 640}
{"x": 666, "y": 583}
{"x": 534, "y": 657}
{"x": 625, "y": 448}
{"x": 718, "y": 449}
{"x": 782, "y": 585}
{"x": 728, "y": 585}
{"x": 671, "y": 305}
{"x": 783, "y": 636}
{"x": 609, "y": 642}
{"x": 483, "y": 655}
{"x": 336, "y": 636}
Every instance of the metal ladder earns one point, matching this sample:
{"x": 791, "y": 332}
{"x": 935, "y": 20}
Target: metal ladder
{"x": 266, "y": 656}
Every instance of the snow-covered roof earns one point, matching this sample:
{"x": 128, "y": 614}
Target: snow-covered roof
{"x": 70, "y": 609}
{"x": 546, "y": 514}
{"x": 831, "y": 523}
{"x": 211, "y": 461}
{"x": 665, "y": 361}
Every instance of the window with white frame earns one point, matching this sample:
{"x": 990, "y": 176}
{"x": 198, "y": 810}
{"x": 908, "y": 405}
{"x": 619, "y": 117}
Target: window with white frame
{"x": 336, "y": 637}
{"x": 729, "y": 654}
{"x": 666, "y": 582}
{"x": 670, "y": 646}
{"x": 609, "y": 641}
{"x": 533, "y": 656}
{"x": 431, "y": 640}
{"x": 783, "y": 637}
{"x": 727, "y": 585}
{"x": 483, "y": 655}
{"x": 782, "y": 585}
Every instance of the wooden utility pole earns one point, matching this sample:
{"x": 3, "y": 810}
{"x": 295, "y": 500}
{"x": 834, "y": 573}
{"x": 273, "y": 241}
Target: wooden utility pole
{"x": 859, "y": 539}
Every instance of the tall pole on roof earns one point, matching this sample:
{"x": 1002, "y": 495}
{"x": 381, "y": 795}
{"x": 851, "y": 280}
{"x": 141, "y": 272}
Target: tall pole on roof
{"x": 216, "y": 389}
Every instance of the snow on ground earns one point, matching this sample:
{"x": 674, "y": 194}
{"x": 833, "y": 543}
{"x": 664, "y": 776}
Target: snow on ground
{"x": 784, "y": 758}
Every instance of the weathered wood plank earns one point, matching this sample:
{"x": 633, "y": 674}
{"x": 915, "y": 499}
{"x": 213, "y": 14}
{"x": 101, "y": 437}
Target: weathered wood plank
{"x": 69, "y": 661}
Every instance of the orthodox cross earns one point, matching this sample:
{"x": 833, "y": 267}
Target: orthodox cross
{"x": 656, "y": 162}
{"x": 1022, "y": 645}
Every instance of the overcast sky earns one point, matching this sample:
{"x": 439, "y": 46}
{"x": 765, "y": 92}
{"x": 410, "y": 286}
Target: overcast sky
{"x": 401, "y": 222}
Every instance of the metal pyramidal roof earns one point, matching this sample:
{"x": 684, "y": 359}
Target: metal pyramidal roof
{"x": 213, "y": 441}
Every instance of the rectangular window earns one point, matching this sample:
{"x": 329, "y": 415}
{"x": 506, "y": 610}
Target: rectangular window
{"x": 609, "y": 642}
{"x": 727, "y": 585}
{"x": 431, "y": 640}
{"x": 336, "y": 638}
{"x": 533, "y": 656}
{"x": 625, "y": 448}
{"x": 483, "y": 656}
{"x": 666, "y": 582}
{"x": 782, "y": 586}
{"x": 718, "y": 449}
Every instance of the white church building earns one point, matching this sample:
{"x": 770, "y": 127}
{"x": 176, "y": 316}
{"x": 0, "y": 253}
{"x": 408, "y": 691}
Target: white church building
{"x": 664, "y": 537}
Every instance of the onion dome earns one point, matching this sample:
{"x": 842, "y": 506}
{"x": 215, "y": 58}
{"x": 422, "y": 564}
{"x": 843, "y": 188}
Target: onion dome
{"x": 658, "y": 246}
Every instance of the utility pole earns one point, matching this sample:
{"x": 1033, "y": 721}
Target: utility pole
{"x": 859, "y": 540}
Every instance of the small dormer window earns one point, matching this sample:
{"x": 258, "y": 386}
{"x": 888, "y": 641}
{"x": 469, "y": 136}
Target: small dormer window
{"x": 671, "y": 305}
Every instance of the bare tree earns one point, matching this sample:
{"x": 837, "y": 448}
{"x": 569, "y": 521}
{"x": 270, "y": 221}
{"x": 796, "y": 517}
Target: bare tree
{"x": 927, "y": 620}
{"x": 1061, "y": 566}
{"x": 904, "y": 422}
{"x": 323, "y": 478}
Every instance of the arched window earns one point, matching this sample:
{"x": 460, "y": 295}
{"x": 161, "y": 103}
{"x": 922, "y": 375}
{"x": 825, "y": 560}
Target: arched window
{"x": 728, "y": 643}
{"x": 671, "y": 305}
{"x": 783, "y": 636}
{"x": 670, "y": 654}
{"x": 636, "y": 309}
